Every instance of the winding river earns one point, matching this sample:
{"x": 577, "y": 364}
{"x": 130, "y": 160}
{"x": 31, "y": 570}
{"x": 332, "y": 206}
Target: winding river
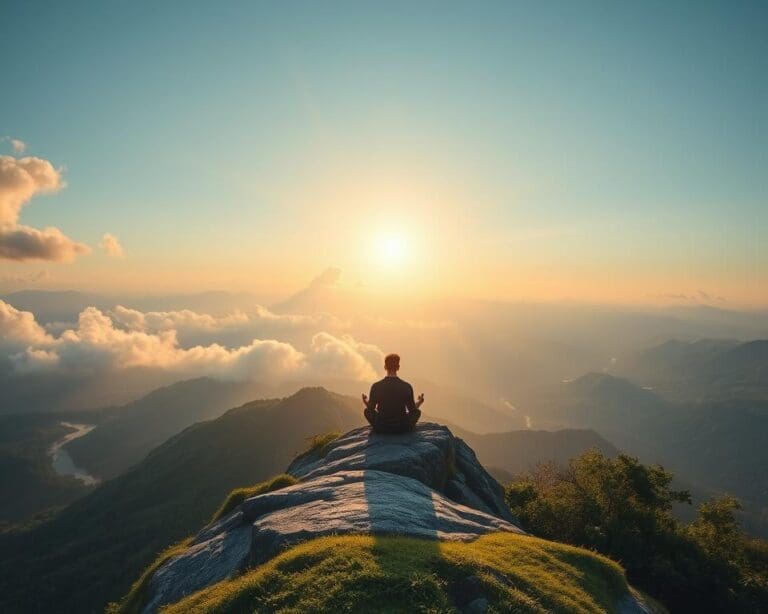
{"x": 61, "y": 460}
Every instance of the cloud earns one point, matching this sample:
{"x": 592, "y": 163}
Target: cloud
{"x": 240, "y": 326}
{"x": 19, "y": 146}
{"x": 111, "y": 246}
{"x": 329, "y": 277}
{"x": 156, "y": 321}
{"x": 19, "y": 329}
{"x": 24, "y": 243}
{"x": 99, "y": 343}
{"x": 333, "y": 356}
{"x": 706, "y": 296}
{"x": 20, "y": 180}
{"x": 701, "y": 295}
{"x": 35, "y": 361}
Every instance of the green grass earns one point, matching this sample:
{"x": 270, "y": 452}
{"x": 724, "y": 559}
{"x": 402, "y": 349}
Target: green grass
{"x": 515, "y": 573}
{"x": 318, "y": 445}
{"x": 237, "y": 496}
{"x": 133, "y": 602}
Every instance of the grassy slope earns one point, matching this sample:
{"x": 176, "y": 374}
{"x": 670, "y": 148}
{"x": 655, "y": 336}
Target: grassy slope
{"x": 133, "y": 602}
{"x": 376, "y": 574}
{"x": 138, "y": 427}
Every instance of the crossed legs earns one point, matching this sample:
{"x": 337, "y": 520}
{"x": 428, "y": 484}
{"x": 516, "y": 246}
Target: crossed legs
{"x": 407, "y": 424}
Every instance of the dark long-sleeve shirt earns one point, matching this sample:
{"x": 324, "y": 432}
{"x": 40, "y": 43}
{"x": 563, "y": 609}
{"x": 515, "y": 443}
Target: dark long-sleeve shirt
{"x": 393, "y": 399}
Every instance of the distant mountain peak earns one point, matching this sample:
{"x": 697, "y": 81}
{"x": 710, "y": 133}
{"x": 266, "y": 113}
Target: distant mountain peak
{"x": 603, "y": 385}
{"x": 594, "y": 378}
{"x": 309, "y": 395}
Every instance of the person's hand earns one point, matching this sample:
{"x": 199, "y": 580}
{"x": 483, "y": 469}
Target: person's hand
{"x": 420, "y": 400}
{"x": 365, "y": 399}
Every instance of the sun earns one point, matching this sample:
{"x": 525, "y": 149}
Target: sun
{"x": 391, "y": 250}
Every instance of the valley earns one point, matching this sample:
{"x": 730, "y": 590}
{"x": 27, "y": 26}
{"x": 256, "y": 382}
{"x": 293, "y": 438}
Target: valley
{"x": 62, "y": 461}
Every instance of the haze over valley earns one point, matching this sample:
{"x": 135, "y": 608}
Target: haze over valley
{"x": 645, "y": 381}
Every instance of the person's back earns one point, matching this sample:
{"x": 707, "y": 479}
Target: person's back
{"x": 391, "y": 407}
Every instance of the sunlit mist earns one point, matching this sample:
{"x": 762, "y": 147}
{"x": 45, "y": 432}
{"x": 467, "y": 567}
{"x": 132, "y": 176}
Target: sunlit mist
{"x": 392, "y": 251}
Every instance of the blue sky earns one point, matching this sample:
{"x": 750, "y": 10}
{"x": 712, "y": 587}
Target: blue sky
{"x": 612, "y": 145}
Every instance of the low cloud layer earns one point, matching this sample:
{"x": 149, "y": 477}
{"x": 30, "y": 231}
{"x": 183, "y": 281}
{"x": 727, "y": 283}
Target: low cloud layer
{"x": 19, "y": 330}
{"x": 158, "y": 321}
{"x": 20, "y": 180}
{"x": 129, "y": 338}
{"x": 258, "y": 321}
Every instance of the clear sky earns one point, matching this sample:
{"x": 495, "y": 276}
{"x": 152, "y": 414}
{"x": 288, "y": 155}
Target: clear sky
{"x": 539, "y": 150}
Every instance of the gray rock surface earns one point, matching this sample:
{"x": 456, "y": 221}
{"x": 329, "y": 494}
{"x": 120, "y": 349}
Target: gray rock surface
{"x": 430, "y": 454}
{"x": 426, "y": 484}
{"x": 634, "y": 603}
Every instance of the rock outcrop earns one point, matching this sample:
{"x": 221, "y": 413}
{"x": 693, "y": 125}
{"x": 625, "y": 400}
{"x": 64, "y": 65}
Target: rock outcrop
{"x": 426, "y": 484}
{"x": 431, "y": 455}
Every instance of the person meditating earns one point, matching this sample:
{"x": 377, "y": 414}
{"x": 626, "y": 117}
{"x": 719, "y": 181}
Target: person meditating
{"x": 391, "y": 407}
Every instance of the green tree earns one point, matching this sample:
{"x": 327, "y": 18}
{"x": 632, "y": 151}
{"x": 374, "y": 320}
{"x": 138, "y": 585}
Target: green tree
{"x": 717, "y": 531}
{"x": 623, "y": 509}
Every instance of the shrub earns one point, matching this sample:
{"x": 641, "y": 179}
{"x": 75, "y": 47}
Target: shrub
{"x": 317, "y": 445}
{"x": 623, "y": 509}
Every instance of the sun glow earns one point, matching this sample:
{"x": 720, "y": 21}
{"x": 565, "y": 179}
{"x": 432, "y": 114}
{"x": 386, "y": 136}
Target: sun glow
{"x": 391, "y": 251}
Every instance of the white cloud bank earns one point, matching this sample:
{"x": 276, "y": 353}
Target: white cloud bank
{"x": 18, "y": 329}
{"x": 130, "y": 338}
{"x": 259, "y": 321}
{"x": 20, "y": 180}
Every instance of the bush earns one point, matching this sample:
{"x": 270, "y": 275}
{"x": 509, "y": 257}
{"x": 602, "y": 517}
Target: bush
{"x": 317, "y": 445}
{"x": 623, "y": 509}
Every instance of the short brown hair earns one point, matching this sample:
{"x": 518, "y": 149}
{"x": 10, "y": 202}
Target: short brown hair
{"x": 392, "y": 361}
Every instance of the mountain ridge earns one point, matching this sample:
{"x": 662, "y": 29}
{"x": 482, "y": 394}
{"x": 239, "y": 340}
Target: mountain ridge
{"x": 426, "y": 484}
{"x": 164, "y": 497}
